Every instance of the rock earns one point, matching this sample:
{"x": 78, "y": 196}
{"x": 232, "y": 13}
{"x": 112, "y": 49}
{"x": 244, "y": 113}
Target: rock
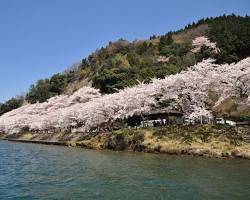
{"x": 226, "y": 154}
{"x": 195, "y": 152}
{"x": 184, "y": 151}
{"x": 207, "y": 155}
{"x": 71, "y": 144}
{"x": 149, "y": 151}
{"x": 157, "y": 148}
{"x": 121, "y": 145}
{"x": 168, "y": 150}
{"x": 139, "y": 147}
{"x": 206, "y": 151}
{"x": 83, "y": 145}
{"x": 110, "y": 145}
{"x": 246, "y": 156}
{"x": 115, "y": 144}
{"x": 217, "y": 154}
{"x": 173, "y": 151}
{"x": 236, "y": 153}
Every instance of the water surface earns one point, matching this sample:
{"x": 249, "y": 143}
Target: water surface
{"x": 33, "y": 171}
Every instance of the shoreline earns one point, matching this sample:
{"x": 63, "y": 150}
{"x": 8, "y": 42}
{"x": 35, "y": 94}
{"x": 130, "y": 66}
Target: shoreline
{"x": 37, "y": 142}
{"x": 188, "y": 152}
{"x": 148, "y": 140}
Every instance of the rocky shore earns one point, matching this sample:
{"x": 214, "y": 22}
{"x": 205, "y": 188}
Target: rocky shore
{"x": 205, "y": 140}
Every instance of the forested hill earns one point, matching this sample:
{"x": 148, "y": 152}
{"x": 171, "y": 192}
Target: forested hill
{"x": 121, "y": 64}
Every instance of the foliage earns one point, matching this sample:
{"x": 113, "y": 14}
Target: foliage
{"x": 125, "y": 138}
{"x": 203, "y": 133}
{"x": 232, "y": 35}
{"x": 165, "y": 41}
{"x": 228, "y": 32}
{"x": 235, "y": 108}
{"x": 11, "y": 104}
{"x": 47, "y": 88}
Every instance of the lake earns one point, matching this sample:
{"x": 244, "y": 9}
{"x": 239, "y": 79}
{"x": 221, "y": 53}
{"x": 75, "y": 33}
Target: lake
{"x": 33, "y": 171}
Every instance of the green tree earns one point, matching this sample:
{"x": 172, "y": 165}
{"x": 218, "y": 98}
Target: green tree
{"x": 39, "y": 92}
{"x": 142, "y": 48}
{"x": 164, "y": 41}
{"x": 11, "y": 104}
{"x": 58, "y": 83}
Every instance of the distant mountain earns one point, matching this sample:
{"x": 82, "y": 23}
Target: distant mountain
{"x": 123, "y": 64}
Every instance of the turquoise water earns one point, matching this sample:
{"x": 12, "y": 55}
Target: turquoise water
{"x": 33, "y": 171}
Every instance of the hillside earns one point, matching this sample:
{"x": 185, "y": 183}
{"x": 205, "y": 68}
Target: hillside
{"x": 122, "y": 64}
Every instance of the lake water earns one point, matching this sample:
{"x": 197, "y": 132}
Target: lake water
{"x": 33, "y": 171}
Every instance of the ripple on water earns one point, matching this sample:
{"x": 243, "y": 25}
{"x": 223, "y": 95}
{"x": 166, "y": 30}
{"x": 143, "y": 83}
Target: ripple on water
{"x": 32, "y": 171}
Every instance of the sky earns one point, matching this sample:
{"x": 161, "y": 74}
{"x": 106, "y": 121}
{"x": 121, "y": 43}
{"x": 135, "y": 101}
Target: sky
{"x": 39, "y": 38}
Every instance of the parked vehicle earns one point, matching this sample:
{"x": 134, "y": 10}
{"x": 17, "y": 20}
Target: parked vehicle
{"x": 153, "y": 123}
{"x": 231, "y": 123}
{"x": 220, "y": 121}
{"x": 223, "y": 121}
{"x": 188, "y": 121}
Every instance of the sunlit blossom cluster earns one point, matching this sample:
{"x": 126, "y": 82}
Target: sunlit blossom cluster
{"x": 198, "y": 42}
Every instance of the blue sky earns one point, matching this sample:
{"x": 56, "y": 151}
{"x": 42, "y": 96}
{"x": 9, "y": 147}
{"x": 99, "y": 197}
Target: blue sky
{"x": 41, "y": 37}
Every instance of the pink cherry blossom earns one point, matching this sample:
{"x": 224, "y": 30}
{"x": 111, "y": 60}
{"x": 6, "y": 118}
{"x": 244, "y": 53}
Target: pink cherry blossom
{"x": 88, "y": 110}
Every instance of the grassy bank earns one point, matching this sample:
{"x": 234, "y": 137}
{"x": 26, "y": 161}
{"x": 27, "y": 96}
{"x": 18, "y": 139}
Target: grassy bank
{"x": 199, "y": 140}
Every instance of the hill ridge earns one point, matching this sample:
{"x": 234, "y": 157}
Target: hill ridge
{"x": 121, "y": 64}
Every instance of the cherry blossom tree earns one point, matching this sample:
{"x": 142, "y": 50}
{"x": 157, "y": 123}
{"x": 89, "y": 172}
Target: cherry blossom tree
{"x": 198, "y": 42}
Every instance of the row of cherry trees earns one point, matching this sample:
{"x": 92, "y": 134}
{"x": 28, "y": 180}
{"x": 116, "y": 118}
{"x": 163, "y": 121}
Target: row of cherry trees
{"x": 87, "y": 109}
